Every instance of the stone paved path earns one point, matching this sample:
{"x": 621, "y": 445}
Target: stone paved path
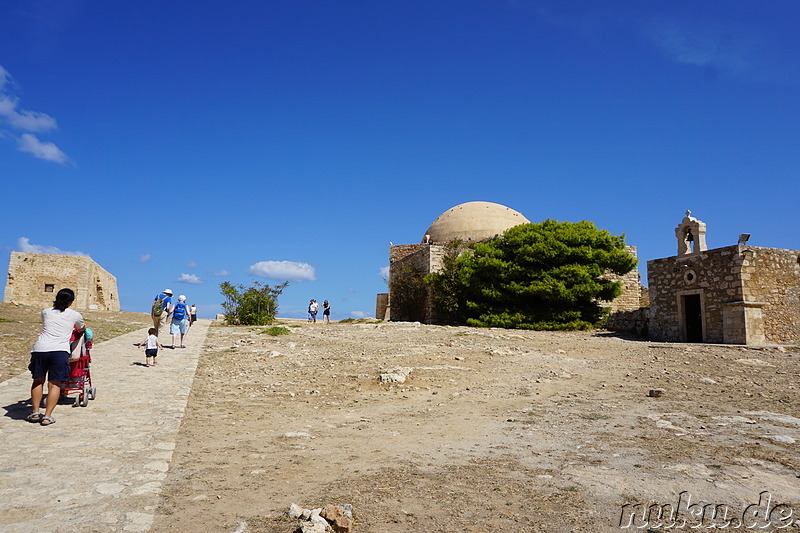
{"x": 101, "y": 467}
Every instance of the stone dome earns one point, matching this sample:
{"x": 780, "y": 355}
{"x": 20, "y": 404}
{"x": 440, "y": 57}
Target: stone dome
{"x": 473, "y": 221}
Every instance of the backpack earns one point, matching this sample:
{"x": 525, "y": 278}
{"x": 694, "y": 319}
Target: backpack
{"x": 158, "y": 307}
{"x": 179, "y": 313}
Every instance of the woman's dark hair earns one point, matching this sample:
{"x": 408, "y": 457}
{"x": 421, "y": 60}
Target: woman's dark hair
{"x": 63, "y": 299}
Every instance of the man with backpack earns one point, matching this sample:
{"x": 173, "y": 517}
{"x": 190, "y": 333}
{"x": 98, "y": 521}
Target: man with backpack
{"x": 180, "y": 320}
{"x": 161, "y": 308}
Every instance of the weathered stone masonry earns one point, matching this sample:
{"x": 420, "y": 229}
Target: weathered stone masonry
{"x": 747, "y": 295}
{"x": 34, "y": 279}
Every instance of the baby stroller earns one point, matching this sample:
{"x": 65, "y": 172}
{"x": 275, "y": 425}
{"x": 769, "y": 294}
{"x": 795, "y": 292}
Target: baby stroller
{"x": 79, "y": 381}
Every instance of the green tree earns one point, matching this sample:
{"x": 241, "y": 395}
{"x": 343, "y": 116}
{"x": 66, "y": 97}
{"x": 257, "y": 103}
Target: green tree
{"x": 251, "y": 306}
{"x": 545, "y": 276}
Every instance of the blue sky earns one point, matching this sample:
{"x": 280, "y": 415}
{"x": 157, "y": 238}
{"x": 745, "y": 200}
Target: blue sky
{"x": 181, "y": 144}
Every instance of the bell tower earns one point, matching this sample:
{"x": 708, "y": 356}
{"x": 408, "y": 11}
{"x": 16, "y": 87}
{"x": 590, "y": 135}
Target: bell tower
{"x": 691, "y": 234}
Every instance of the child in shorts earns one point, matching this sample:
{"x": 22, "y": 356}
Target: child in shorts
{"x": 151, "y": 347}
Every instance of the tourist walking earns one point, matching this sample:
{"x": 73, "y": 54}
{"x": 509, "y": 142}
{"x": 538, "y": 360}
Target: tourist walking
{"x": 192, "y": 314}
{"x": 180, "y": 321}
{"x": 326, "y": 312}
{"x": 161, "y": 308}
{"x": 151, "y": 347}
{"x": 50, "y": 355}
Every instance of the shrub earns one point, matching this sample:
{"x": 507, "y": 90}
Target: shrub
{"x": 251, "y": 306}
{"x": 275, "y": 331}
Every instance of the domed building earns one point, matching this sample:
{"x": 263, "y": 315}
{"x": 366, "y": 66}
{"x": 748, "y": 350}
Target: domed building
{"x": 473, "y": 222}
{"x": 470, "y": 222}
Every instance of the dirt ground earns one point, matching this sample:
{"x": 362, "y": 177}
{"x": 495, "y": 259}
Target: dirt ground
{"x": 493, "y": 430}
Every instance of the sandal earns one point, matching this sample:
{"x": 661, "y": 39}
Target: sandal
{"x": 47, "y": 421}
{"x": 34, "y": 417}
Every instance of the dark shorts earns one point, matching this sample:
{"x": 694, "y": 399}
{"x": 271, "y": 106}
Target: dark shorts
{"x": 53, "y": 365}
{"x": 151, "y": 352}
{"x": 326, "y": 312}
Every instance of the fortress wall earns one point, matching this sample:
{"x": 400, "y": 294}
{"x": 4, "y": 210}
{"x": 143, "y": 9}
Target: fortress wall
{"x": 398, "y": 252}
{"x": 405, "y": 259}
{"x": 34, "y": 279}
{"x": 772, "y": 276}
{"x": 631, "y": 297}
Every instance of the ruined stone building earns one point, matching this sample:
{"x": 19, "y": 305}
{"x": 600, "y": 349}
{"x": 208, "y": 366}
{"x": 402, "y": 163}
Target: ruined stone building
{"x": 34, "y": 279}
{"x": 470, "y": 222}
{"x": 736, "y": 294}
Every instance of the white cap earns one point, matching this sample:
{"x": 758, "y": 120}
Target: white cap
{"x": 182, "y": 298}
{"x": 167, "y": 291}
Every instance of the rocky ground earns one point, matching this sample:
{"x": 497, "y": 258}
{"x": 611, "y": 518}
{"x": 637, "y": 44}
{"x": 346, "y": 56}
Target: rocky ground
{"x": 492, "y": 430}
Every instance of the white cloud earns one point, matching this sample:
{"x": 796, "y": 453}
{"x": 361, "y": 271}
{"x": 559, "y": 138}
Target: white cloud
{"x": 40, "y": 149}
{"x": 24, "y": 245}
{"x": 21, "y": 119}
{"x": 145, "y": 258}
{"x": 24, "y": 121}
{"x": 283, "y": 270}
{"x": 385, "y": 272}
{"x": 219, "y": 272}
{"x": 191, "y": 265}
{"x": 189, "y": 278}
{"x": 359, "y": 314}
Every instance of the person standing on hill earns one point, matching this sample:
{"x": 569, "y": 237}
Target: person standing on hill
{"x": 192, "y": 314}
{"x": 180, "y": 320}
{"x": 326, "y": 312}
{"x": 161, "y": 308}
{"x": 50, "y": 355}
{"x": 313, "y": 306}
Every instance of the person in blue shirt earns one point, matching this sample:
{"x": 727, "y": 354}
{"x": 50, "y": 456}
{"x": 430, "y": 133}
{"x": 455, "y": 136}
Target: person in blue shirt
{"x": 180, "y": 320}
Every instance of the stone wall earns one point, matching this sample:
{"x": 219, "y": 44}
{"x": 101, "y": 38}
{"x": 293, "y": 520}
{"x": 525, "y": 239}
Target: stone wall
{"x": 714, "y": 275}
{"x": 631, "y": 297}
{"x": 771, "y": 276}
{"x": 748, "y": 295}
{"x": 634, "y": 321}
{"x": 398, "y": 252}
{"x": 34, "y": 279}
{"x": 421, "y": 259}
{"x": 382, "y": 306}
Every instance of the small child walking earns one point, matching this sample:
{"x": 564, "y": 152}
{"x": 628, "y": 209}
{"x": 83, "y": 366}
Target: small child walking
{"x": 151, "y": 347}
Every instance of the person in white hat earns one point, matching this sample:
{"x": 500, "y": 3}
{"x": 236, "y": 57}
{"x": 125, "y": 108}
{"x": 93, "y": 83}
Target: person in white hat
{"x": 161, "y": 308}
{"x": 180, "y": 321}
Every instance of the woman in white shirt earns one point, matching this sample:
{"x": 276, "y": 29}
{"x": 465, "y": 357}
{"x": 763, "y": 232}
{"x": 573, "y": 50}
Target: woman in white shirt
{"x": 50, "y": 355}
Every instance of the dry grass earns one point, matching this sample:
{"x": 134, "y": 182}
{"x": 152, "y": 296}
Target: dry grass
{"x": 20, "y": 325}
